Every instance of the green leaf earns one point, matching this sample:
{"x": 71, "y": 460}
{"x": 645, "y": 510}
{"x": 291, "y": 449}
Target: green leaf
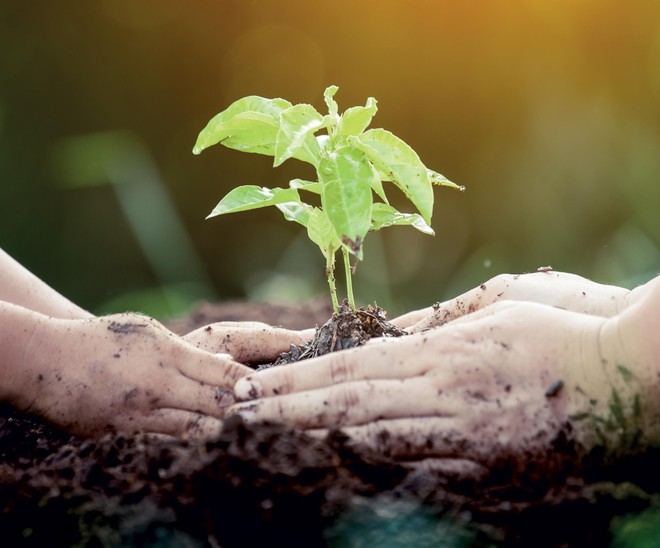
{"x": 347, "y": 179}
{"x": 441, "y": 180}
{"x": 244, "y": 198}
{"x": 321, "y": 232}
{"x": 295, "y": 211}
{"x": 249, "y": 124}
{"x": 399, "y": 163}
{"x": 328, "y": 95}
{"x": 377, "y": 185}
{"x": 383, "y": 215}
{"x": 296, "y": 134}
{"x": 356, "y": 119}
{"x": 309, "y": 186}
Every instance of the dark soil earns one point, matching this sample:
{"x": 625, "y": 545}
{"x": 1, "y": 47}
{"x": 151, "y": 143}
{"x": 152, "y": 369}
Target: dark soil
{"x": 345, "y": 329}
{"x": 268, "y": 485}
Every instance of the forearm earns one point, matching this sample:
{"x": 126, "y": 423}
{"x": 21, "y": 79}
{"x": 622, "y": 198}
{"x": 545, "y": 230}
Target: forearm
{"x": 19, "y": 286}
{"x": 18, "y": 326}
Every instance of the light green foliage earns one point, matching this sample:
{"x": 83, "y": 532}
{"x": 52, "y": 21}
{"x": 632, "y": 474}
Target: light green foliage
{"x": 351, "y": 164}
{"x": 399, "y": 163}
{"x": 346, "y": 177}
{"x": 250, "y": 124}
{"x": 249, "y": 197}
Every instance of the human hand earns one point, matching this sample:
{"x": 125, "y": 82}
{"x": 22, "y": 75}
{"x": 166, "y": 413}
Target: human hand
{"x": 559, "y": 289}
{"x": 123, "y": 372}
{"x": 514, "y": 384}
{"x": 247, "y": 342}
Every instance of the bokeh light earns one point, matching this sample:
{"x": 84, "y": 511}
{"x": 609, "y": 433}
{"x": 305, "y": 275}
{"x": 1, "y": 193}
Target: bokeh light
{"x": 548, "y": 112}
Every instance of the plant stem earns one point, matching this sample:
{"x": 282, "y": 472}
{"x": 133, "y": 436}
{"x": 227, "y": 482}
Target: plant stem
{"x": 349, "y": 278}
{"x": 330, "y": 273}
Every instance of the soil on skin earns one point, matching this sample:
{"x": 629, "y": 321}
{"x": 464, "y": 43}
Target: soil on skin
{"x": 258, "y": 485}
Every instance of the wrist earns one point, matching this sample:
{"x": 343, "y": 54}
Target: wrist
{"x": 632, "y": 340}
{"x": 616, "y": 390}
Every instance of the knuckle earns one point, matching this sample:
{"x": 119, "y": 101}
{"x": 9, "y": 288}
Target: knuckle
{"x": 233, "y": 371}
{"x": 286, "y": 384}
{"x": 500, "y": 283}
{"x": 344, "y": 401}
{"x": 339, "y": 369}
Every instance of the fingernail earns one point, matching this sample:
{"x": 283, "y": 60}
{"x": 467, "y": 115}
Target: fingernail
{"x": 247, "y": 389}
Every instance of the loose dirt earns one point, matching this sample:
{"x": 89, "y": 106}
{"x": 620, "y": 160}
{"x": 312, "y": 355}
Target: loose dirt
{"x": 345, "y": 329}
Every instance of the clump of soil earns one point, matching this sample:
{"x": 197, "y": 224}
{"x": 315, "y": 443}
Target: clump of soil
{"x": 345, "y": 329}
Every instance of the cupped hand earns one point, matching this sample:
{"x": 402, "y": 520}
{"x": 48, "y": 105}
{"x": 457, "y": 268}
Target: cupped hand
{"x": 123, "y": 373}
{"x": 514, "y": 383}
{"x": 247, "y": 342}
{"x": 559, "y": 289}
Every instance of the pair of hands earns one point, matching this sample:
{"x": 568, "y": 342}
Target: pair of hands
{"x": 494, "y": 373}
{"x": 501, "y": 373}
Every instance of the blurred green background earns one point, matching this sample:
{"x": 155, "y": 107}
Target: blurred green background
{"x": 548, "y": 112}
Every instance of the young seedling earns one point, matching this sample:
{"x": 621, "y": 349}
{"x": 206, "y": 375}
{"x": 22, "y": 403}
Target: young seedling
{"x": 351, "y": 165}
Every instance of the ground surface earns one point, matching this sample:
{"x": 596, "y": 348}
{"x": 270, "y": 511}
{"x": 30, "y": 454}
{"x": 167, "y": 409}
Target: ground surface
{"x": 272, "y": 486}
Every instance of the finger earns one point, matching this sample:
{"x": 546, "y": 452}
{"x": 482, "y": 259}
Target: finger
{"x": 215, "y": 369}
{"x": 487, "y": 311}
{"x": 196, "y": 396}
{"x": 567, "y": 291}
{"x": 384, "y": 359}
{"x": 472, "y": 317}
{"x": 411, "y": 318}
{"x": 354, "y": 403}
{"x": 450, "y": 310}
{"x": 499, "y": 288}
{"x": 170, "y": 422}
{"x": 247, "y": 342}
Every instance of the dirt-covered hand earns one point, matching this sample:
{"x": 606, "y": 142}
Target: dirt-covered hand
{"x": 559, "y": 289}
{"x": 514, "y": 383}
{"x": 247, "y": 342}
{"x": 121, "y": 373}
